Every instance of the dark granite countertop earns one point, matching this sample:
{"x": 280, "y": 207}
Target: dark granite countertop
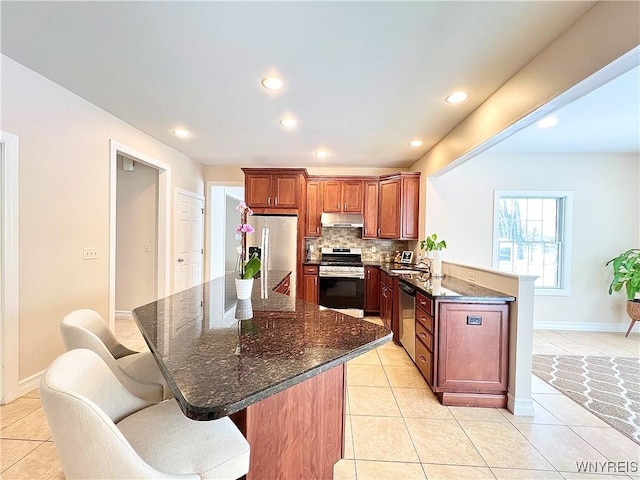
{"x": 216, "y": 364}
{"x": 455, "y": 289}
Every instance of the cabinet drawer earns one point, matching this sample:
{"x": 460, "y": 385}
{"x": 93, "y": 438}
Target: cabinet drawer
{"x": 425, "y": 303}
{"x": 310, "y": 269}
{"x": 425, "y": 319}
{"x": 424, "y": 336}
{"x": 424, "y": 361}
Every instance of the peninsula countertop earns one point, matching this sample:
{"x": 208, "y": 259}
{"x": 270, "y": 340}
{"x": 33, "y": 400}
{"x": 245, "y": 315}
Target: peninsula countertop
{"x": 217, "y": 364}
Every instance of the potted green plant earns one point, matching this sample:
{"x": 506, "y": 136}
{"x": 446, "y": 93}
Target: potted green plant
{"x": 433, "y": 248}
{"x": 626, "y": 274}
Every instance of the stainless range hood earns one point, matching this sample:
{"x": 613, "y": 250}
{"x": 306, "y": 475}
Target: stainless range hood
{"x": 342, "y": 220}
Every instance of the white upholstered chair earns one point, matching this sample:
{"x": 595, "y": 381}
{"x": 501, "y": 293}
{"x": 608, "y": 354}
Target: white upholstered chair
{"x": 137, "y": 371}
{"x": 101, "y": 430}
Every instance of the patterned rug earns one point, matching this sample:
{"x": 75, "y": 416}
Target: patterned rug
{"x": 609, "y": 387}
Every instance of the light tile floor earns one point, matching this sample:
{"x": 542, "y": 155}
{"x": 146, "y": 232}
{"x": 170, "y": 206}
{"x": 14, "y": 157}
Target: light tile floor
{"x": 396, "y": 429}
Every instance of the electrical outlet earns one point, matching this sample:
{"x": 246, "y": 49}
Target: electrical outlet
{"x": 472, "y": 276}
{"x": 147, "y": 247}
{"x": 374, "y": 249}
{"x": 89, "y": 253}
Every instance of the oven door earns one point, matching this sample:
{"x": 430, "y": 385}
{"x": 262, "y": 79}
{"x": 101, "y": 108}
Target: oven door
{"x": 342, "y": 292}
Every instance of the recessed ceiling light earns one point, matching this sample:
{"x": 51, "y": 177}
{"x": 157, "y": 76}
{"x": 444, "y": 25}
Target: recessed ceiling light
{"x": 547, "y": 122}
{"x": 288, "y": 122}
{"x": 321, "y": 154}
{"x": 415, "y": 143}
{"x": 181, "y": 133}
{"x": 457, "y": 97}
{"x": 272, "y": 83}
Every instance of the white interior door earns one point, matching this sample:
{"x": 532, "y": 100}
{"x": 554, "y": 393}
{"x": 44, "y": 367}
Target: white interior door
{"x": 189, "y": 245}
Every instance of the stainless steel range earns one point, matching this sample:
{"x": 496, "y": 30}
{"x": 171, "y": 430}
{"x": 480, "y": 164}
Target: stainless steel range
{"x": 342, "y": 280}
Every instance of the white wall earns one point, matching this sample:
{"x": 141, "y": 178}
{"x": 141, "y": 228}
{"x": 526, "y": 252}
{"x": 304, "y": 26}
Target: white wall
{"x": 602, "y": 35}
{"x": 137, "y": 225}
{"x": 606, "y": 221}
{"x": 64, "y": 202}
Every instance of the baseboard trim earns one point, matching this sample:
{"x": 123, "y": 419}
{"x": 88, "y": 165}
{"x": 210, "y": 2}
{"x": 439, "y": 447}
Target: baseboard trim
{"x": 520, "y": 407}
{"x": 582, "y": 326}
{"x": 126, "y": 314}
{"x": 29, "y": 384}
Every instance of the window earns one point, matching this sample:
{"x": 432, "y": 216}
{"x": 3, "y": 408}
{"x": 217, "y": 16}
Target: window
{"x": 532, "y": 236}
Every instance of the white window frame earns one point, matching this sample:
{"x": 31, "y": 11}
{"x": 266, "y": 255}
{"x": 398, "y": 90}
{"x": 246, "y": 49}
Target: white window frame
{"x": 567, "y": 221}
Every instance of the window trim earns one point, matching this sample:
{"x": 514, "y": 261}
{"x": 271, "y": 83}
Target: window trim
{"x": 566, "y": 228}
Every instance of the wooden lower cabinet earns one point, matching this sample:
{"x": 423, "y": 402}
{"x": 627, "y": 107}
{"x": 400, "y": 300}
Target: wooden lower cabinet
{"x": 284, "y": 287}
{"x": 462, "y": 351}
{"x": 298, "y": 432}
{"x": 310, "y": 283}
{"x": 371, "y": 290}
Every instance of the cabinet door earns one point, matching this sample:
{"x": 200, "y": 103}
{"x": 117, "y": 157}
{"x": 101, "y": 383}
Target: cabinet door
{"x": 331, "y": 196}
{"x": 311, "y": 288}
{"x": 285, "y": 191}
{"x": 388, "y": 208}
{"x": 352, "y": 196}
{"x": 370, "y": 209}
{"x": 372, "y": 289}
{"x": 314, "y": 209}
{"x": 258, "y": 190}
{"x": 410, "y": 204}
{"x": 473, "y": 347}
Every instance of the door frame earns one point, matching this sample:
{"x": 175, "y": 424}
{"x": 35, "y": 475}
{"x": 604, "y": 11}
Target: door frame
{"x": 164, "y": 223}
{"x": 208, "y": 220}
{"x": 197, "y": 196}
{"x": 9, "y": 280}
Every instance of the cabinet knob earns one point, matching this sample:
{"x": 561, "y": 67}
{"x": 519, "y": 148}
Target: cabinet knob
{"x": 378, "y": 230}
{"x": 422, "y": 359}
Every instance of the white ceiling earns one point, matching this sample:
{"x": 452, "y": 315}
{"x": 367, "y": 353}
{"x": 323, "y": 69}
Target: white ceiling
{"x": 605, "y": 120}
{"x": 362, "y": 78}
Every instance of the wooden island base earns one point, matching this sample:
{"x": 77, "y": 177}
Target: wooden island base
{"x": 299, "y": 432}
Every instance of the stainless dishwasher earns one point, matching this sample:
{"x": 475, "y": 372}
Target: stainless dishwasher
{"x": 408, "y": 318}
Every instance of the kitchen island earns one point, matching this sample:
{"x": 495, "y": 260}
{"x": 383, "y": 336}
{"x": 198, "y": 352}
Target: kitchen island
{"x": 273, "y": 363}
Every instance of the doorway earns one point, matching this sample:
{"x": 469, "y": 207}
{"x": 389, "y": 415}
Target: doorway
{"x": 162, "y": 237}
{"x": 136, "y": 235}
{"x": 223, "y": 220}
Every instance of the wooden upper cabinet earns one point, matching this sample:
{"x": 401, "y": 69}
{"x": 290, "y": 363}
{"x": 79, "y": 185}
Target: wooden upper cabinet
{"x": 271, "y": 188}
{"x": 370, "y": 209}
{"x": 352, "y": 196}
{"x": 257, "y": 190}
{"x": 332, "y": 196}
{"x": 285, "y": 190}
{"x": 398, "y": 206}
{"x": 389, "y": 207}
{"x": 342, "y": 196}
{"x": 314, "y": 209}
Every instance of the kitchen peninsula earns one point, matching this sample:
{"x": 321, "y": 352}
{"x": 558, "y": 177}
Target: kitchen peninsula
{"x": 279, "y": 374}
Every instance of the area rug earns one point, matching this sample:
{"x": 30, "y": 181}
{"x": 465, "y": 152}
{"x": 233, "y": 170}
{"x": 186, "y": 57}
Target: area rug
{"x": 609, "y": 387}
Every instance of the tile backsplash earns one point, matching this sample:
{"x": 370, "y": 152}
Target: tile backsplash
{"x": 334, "y": 237}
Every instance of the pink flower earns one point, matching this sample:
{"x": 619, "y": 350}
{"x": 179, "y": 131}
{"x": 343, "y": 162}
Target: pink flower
{"x": 241, "y": 206}
{"x": 245, "y": 228}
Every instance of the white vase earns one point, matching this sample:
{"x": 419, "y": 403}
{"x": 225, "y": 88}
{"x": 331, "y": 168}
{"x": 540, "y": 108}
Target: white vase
{"x": 244, "y": 288}
{"x": 244, "y": 309}
{"x": 436, "y": 266}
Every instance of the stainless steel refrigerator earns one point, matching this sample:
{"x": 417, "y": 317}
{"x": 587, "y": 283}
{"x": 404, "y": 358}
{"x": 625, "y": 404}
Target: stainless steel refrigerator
{"x": 275, "y": 239}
